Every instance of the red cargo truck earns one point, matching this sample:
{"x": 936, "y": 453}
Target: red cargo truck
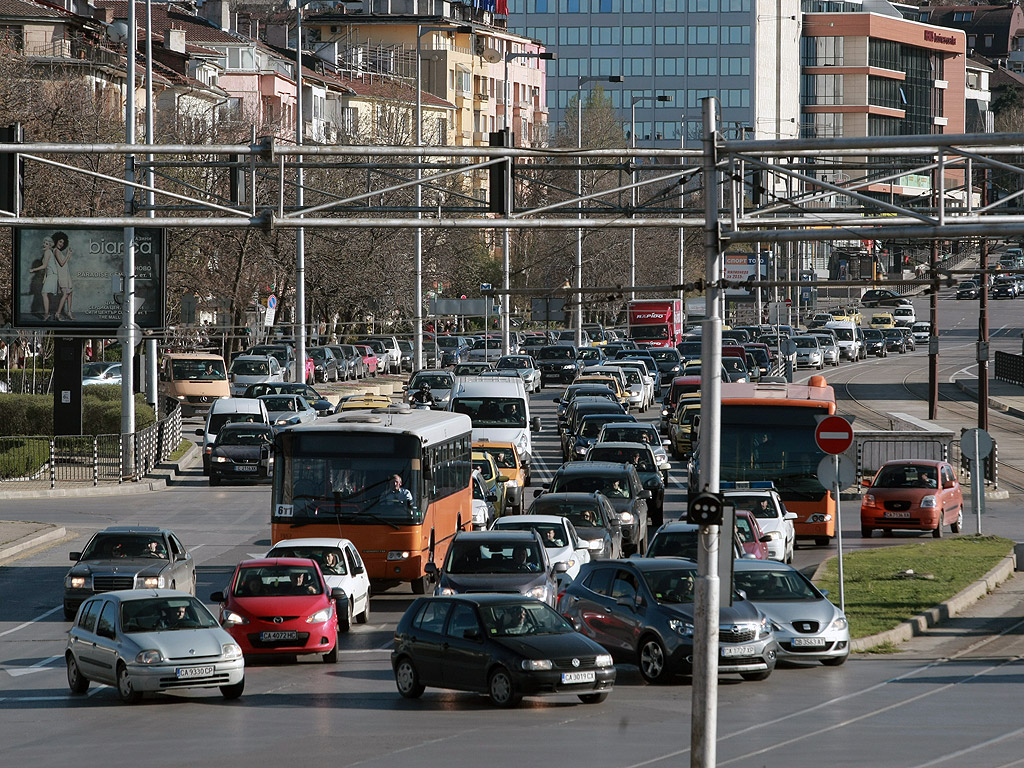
{"x": 656, "y": 322}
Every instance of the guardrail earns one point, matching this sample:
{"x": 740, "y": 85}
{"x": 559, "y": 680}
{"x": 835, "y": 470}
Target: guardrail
{"x": 40, "y": 461}
{"x": 1009, "y": 368}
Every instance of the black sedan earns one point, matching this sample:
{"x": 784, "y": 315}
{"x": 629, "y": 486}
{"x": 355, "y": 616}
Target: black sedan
{"x": 558, "y": 364}
{"x": 874, "y": 343}
{"x": 968, "y": 289}
{"x": 506, "y": 647}
{"x": 242, "y": 451}
{"x": 1004, "y": 289}
{"x": 882, "y": 297}
{"x": 895, "y": 341}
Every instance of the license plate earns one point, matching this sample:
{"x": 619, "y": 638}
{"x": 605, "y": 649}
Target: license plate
{"x": 578, "y": 677}
{"x": 897, "y": 514}
{"x": 185, "y": 673}
{"x": 246, "y": 467}
{"x": 809, "y": 642}
{"x": 731, "y": 651}
{"x": 268, "y": 637}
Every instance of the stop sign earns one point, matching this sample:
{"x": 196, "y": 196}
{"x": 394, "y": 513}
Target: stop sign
{"x": 834, "y": 434}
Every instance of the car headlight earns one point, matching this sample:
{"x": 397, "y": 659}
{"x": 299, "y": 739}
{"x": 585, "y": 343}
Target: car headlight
{"x": 220, "y": 459}
{"x": 151, "y": 582}
{"x": 567, "y": 366}
{"x": 604, "y": 660}
{"x": 512, "y": 483}
{"x": 230, "y": 618}
{"x": 684, "y": 628}
{"x": 764, "y": 628}
{"x": 664, "y": 411}
{"x": 773, "y": 535}
{"x": 446, "y": 592}
{"x": 928, "y": 501}
{"x": 868, "y": 500}
{"x": 324, "y": 614}
{"x": 839, "y": 624}
{"x": 230, "y": 651}
{"x": 396, "y": 554}
{"x": 537, "y": 592}
{"x": 149, "y": 656}
{"x": 536, "y": 665}
{"x": 75, "y": 582}
{"x": 675, "y": 369}
{"x": 626, "y": 517}
{"x": 582, "y": 449}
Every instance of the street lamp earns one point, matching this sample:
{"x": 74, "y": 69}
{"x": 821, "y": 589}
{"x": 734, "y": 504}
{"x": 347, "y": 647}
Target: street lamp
{"x": 418, "y": 267}
{"x": 579, "y": 194}
{"x": 506, "y": 246}
{"x": 633, "y": 192}
{"x": 300, "y": 233}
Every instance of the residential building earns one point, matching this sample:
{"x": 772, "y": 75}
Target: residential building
{"x": 993, "y": 31}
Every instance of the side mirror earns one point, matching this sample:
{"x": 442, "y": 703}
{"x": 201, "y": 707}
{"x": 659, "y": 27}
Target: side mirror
{"x": 503, "y": 478}
{"x": 200, "y": 432}
{"x": 765, "y": 539}
{"x": 576, "y": 624}
{"x": 556, "y": 399}
{"x": 741, "y": 594}
{"x": 217, "y": 597}
{"x": 74, "y": 556}
{"x": 789, "y": 516}
{"x": 666, "y": 442}
{"x": 535, "y": 424}
{"x": 471, "y": 634}
{"x": 561, "y": 567}
{"x": 338, "y": 594}
{"x": 866, "y": 483}
{"x": 537, "y": 492}
{"x": 431, "y": 569}
{"x": 491, "y": 497}
{"x": 644, "y": 494}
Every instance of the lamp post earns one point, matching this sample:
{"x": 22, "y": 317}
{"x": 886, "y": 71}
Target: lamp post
{"x": 579, "y": 194}
{"x": 633, "y": 192}
{"x": 417, "y": 341}
{"x": 300, "y": 233}
{"x": 506, "y": 245}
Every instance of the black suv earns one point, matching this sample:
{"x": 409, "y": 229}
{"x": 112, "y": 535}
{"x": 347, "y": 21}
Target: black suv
{"x": 558, "y": 363}
{"x": 881, "y": 297}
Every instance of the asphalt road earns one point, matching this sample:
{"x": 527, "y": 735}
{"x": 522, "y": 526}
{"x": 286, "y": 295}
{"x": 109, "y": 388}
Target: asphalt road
{"x": 944, "y": 700}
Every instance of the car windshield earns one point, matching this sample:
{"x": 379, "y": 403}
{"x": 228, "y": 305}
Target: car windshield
{"x": 674, "y": 544}
{"x": 277, "y": 581}
{"x": 641, "y": 459}
{"x": 612, "y": 486}
{"x": 198, "y": 370}
{"x": 532, "y": 618}
{"x": 90, "y": 370}
{"x": 663, "y": 355}
{"x": 774, "y": 585}
{"x": 733, "y": 365}
{"x": 330, "y": 559}
{"x": 218, "y": 420}
{"x": 161, "y": 614}
{"x": 246, "y": 436}
{"x": 279, "y": 404}
{"x": 487, "y": 344}
{"x": 492, "y": 411}
{"x": 907, "y": 476}
{"x": 518, "y": 363}
{"x": 469, "y": 369}
{"x": 580, "y": 515}
{"x": 589, "y": 353}
{"x": 433, "y": 380}
{"x": 113, "y": 546}
{"x": 494, "y": 557}
{"x": 250, "y": 367}
{"x": 673, "y": 587}
{"x": 872, "y": 334}
{"x": 504, "y": 458}
{"x": 844, "y": 334}
{"x": 317, "y": 353}
{"x": 557, "y": 353}
{"x": 553, "y": 535}
{"x": 447, "y": 342}
{"x": 637, "y": 434}
{"x": 804, "y": 342}
{"x": 759, "y": 506}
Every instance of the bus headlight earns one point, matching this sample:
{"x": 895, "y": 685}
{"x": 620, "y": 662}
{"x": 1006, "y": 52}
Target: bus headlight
{"x": 819, "y": 517}
{"x": 396, "y": 554}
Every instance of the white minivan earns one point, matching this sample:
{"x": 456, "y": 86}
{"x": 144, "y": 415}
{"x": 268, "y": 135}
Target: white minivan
{"x": 225, "y": 411}
{"x": 500, "y": 411}
{"x": 850, "y": 339}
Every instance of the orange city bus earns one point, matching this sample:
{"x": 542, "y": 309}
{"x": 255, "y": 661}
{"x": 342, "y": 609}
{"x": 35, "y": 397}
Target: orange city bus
{"x": 768, "y": 434}
{"x": 332, "y": 476}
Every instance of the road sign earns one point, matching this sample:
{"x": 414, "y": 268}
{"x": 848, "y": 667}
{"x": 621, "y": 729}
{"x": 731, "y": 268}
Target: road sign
{"x": 975, "y": 443}
{"x": 827, "y": 472}
{"x": 834, "y": 434}
{"x": 269, "y": 316}
{"x": 272, "y": 302}
{"x": 485, "y": 287}
{"x": 705, "y": 509}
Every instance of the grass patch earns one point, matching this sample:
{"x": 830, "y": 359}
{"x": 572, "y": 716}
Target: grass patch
{"x": 880, "y": 593}
{"x": 180, "y": 451}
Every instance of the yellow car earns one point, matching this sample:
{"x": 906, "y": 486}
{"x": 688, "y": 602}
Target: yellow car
{"x": 680, "y": 428}
{"x": 506, "y": 459}
{"x": 363, "y": 403}
{"x": 847, "y": 316}
{"x": 609, "y": 381}
{"x": 494, "y": 482}
{"x": 882, "y": 320}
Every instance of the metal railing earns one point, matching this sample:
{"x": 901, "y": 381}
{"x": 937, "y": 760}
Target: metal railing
{"x": 39, "y": 461}
{"x": 1009, "y": 368}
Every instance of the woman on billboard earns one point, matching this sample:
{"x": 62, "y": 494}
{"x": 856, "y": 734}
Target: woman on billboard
{"x": 49, "y": 269}
{"x": 62, "y": 255}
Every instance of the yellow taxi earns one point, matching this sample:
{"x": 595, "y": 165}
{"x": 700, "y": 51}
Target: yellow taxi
{"x": 681, "y": 430}
{"x": 847, "y": 315}
{"x": 882, "y": 320}
{"x": 363, "y": 403}
{"x": 494, "y": 481}
{"x": 609, "y": 381}
{"x": 506, "y": 459}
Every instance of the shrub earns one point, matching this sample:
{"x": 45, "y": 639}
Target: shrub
{"x": 22, "y": 458}
{"x": 101, "y": 413}
{"x": 26, "y": 414}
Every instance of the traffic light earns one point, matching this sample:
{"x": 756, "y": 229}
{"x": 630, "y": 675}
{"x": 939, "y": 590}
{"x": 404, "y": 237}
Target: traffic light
{"x": 236, "y": 181}
{"x": 498, "y": 175}
{"x": 705, "y": 509}
{"x": 12, "y": 170}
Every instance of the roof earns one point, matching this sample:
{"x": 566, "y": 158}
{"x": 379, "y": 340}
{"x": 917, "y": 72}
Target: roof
{"x": 257, "y": 562}
{"x": 568, "y": 497}
{"x": 312, "y": 542}
{"x": 651, "y": 563}
{"x": 166, "y": 16}
{"x": 524, "y": 536}
{"x": 590, "y": 468}
{"x": 134, "y": 529}
{"x": 31, "y": 10}
{"x": 1003, "y": 22}
{"x": 376, "y": 87}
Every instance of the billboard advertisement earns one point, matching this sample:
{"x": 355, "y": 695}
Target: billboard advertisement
{"x": 68, "y": 279}
{"x": 743, "y": 266}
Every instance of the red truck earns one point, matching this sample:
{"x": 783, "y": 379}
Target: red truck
{"x": 655, "y": 322}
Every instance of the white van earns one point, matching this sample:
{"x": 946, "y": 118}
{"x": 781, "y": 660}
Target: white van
{"x": 850, "y": 339}
{"x": 499, "y": 409}
{"x": 225, "y": 411}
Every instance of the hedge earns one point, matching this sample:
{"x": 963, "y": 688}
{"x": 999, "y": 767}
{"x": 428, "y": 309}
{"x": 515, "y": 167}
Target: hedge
{"x": 22, "y": 458}
{"x": 101, "y": 412}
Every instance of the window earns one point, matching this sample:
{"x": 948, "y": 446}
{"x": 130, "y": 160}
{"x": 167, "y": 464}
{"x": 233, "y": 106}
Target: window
{"x": 573, "y": 36}
{"x": 432, "y": 615}
{"x": 705, "y": 35}
{"x": 636, "y": 35}
{"x": 824, "y": 89}
{"x": 702, "y": 6}
{"x": 636, "y": 67}
{"x": 600, "y": 581}
{"x": 463, "y": 618}
{"x": 734, "y": 65}
{"x": 821, "y": 51}
{"x": 735, "y": 35}
{"x": 12, "y": 36}
{"x": 963, "y": 15}
{"x": 668, "y": 6}
{"x": 821, "y": 125}
{"x": 605, "y": 35}
{"x": 241, "y": 59}
{"x": 625, "y": 584}
{"x": 883, "y": 92}
{"x": 105, "y": 625}
{"x": 972, "y": 41}
{"x": 884, "y": 54}
{"x": 89, "y": 613}
{"x": 545, "y": 34}
{"x": 701, "y": 66}
{"x": 989, "y": 39}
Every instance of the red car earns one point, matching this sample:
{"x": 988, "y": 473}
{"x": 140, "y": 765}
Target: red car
{"x": 754, "y": 541}
{"x": 369, "y": 357}
{"x": 920, "y": 494}
{"x": 281, "y": 606}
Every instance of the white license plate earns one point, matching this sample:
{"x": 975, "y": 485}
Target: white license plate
{"x": 731, "y": 651}
{"x": 897, "y": 515}
{"x": 578, "y": 677}
{"x": 185, "y": 673}
{"x": 809, "y": 642}
{"x": 268, "y": 637}
{"x": 246, "y": 467}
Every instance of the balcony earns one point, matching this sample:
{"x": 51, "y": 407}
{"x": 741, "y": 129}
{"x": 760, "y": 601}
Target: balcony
{"x": 481, "y": 98}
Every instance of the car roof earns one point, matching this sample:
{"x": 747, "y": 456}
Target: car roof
{"x": 570, "y": 497}
{"x": 133, "y": 529}
{"x": 486, "y": 598}
{"x": 590, "y": 468}
{"x": 908, "y": 462}
{"x": 124, "y": 595}
{"x": 746, "y": 564}
{"x": 624, "y": 444}
{"x": 527, "y": 519}
{"x": 259, "y": 562}
{"x": 678, "y": 526}
{"x": 523, "y": 536}
{"x": 320, "y": 541}
{"x": 645, "y": 564}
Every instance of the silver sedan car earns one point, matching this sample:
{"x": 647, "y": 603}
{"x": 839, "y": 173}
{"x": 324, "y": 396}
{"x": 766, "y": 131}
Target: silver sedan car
{"x": 524, "y": 367}
{"x": 151, "y": 640}
{"x": 288, "y": 410}
{"x": 807, "y": 626}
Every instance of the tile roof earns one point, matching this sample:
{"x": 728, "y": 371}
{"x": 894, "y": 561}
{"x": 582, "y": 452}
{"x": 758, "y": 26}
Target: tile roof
{"x": 382, "y": 88}
{"x": 165, "y": 16}
{"x": 29, "y": 9}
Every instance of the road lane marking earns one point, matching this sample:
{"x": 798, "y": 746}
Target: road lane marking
{"x": 30, "y": 622}
{"x": 39, "y": 666}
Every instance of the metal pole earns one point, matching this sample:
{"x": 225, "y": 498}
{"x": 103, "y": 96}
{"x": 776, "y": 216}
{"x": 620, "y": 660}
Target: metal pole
{"x": 977, "y": 483}
{"x": 632, "y": 199}
{"x": 506, "y": 239}
{"x": 151, "y": 362}
{"x": 127, "y": 333}
{"x": 681, "y": 260}
{"x": 704, "y": 719}
{"x": 579, "y": 230}
{"x": 983, "y": 337}
{"x": 300, "y": 233}
{"x": 417, "y": 342}
{"x": 839, "y": 536}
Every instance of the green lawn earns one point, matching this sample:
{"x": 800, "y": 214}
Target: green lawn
{"x": 881, "y": 593}
{"x": 180, "y": 450}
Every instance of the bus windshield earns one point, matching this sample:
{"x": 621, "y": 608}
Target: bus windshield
{"x": 775, "y": 443}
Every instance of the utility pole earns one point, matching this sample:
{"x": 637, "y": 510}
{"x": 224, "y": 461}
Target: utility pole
{"x": 933, "y": 310}
{"x": 983, "y": 317}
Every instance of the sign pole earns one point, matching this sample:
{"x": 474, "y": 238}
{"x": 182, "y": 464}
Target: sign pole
{"x": 839, "y": 537}
{"x": 976, "y": 480}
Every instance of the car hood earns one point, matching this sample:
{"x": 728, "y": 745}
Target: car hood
{"x": 184, "y": 644}
{"x": 238, "y": 451}
{"x": 150, "y": 566}
{"x": 493, "y": 582}
{"x": 592, "y": 533}
{"x": 740, "y": 612}
{"x": 910, "y": 494}
{"x": 288, "y": 605}
{"x": 784, "y": 612}
{"x": 550, "y": 646}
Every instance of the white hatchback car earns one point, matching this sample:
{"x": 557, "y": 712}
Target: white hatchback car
{"x": 775, "y": 522}
{"x": 561, "y": 541}
{"x": 342, "y": 567}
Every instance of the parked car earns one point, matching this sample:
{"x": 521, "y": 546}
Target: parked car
{"x": 326, "y": 366}
{"x": 591, "y": 514}
{"x": 288, "y": 410}
{"x": 101, "y": 373}
{"x": 559, "y": 537}
{"x": 280, "y": 606}
{"x": 409, "y": 354}
{"x": 775, "y": 522}
{"x": 370, "y": 361}
{"x": 342, "y": 568}
{"x": 354, "y": 367}
{"x": 497, "y": 561}
{"x": 151, "y": 640}
{"x": 501, "y": 645}
{"x": 243, "y": 451}
{"x": 127, "y": 557}
{"x": 247, "y": 370}
{"x": 916, "y": 494}
{"x": 882, "y": 297}
{"x": 642, "y": 612}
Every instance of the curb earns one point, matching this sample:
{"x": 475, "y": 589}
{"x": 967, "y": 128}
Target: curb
{"x": 54, "y": 534}
{"x": 935, "y": 615}
{"x": 993, "y": 403}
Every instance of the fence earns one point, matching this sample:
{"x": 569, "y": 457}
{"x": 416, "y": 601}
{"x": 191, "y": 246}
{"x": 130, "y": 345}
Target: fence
{"x": 33, "y": 462}
{"x": 1010, "y": 368}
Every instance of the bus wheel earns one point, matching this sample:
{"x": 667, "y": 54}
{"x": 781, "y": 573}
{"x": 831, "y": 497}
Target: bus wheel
{"x": 822, "y": 541}
{"x": 421, "y": 585}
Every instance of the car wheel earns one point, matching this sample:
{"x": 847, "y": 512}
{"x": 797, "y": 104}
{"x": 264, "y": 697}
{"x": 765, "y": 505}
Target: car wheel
{"x": 231, "y": 692}
{"x": 345, "y": 617}
{"x": 125, "y": 690}
{"x": 214, "y": 480}
{"x": 407, "y": 680}
{"x": 835, "y": 661}
{"x": 756, "y": 677}
{"x": 593, "y": 698}
{"x": 70, "y": 613}
{"x": 77, "y": 682}
{"x": 937, "y": 533}
{"x": 651, "y": 660}
{"x": 822, "y": 541}
{"x": 866, "y": 531}
{"x": 958, "y": 524}
{"x": 331, "y": 657}
{"x": 502, "y": 689}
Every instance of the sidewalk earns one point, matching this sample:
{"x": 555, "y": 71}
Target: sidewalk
{"x": 1008, "y": 398}
{"x": 18, "y": 537}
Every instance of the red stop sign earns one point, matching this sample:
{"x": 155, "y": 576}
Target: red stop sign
{"x": 834, "y": 434}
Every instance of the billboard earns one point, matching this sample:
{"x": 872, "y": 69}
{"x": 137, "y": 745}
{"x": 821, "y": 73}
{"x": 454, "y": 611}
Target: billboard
{"x": 65, "y": 280}
{"x": 743, "y": 266}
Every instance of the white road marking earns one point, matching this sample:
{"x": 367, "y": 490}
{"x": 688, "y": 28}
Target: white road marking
{"x": 39, "y": 666}
{"x": 30, "y": 622}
